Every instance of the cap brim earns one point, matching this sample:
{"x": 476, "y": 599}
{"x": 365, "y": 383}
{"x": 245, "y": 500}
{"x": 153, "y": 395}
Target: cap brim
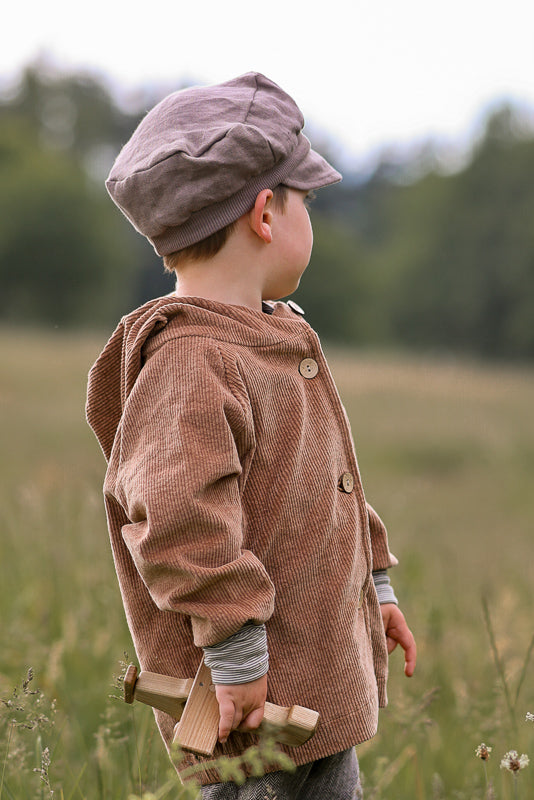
{"x": 313, "y": 172}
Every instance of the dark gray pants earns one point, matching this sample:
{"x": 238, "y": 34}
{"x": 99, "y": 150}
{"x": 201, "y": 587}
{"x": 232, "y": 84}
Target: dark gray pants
{"x": 332, "y": 778}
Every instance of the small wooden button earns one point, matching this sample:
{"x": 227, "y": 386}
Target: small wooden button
{"x": 346, "y": 482}
{"x": 308, "y": 368}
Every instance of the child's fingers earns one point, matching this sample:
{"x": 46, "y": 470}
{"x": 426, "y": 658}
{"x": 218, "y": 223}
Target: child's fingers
{"x": 252, "y": 720}
{"x": 398, "y": 632}
{"x": 227, "y": 713}
{"x": 410, "y": 657}
{"x": 240, "y": 704}
{"x": 406, "y": 640}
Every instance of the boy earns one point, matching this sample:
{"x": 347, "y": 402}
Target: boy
{"x": 237, "y": 518}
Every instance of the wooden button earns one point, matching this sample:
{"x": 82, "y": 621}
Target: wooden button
{"x": 295, "y": 307}
{"x": 360, "y": 599}
{"x": 346, "y": 482}
{"x": 308, "y": 368}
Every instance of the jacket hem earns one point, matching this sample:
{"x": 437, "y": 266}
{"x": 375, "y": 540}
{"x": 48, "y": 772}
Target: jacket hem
{"x": 333, "y": 738}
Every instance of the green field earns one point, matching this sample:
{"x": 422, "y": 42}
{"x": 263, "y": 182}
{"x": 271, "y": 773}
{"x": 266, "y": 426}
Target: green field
{"x": 446, "y": 450}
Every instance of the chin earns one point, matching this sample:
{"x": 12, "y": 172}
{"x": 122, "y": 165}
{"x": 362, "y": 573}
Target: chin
{"x": 291, "y": 288}
{"x": 283, "y": 289}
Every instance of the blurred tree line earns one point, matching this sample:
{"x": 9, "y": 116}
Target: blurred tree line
{"x": 410, "y": 256}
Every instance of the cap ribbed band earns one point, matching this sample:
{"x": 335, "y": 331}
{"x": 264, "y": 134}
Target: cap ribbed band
{"x": 212, "y": 218}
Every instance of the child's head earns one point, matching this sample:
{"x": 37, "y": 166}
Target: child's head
{"x": 197, "y": 162}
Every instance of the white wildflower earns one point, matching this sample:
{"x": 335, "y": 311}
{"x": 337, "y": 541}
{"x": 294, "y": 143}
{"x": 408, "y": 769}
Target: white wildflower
{"x": 513, "y": 762}
{"x": 483, "y": 751}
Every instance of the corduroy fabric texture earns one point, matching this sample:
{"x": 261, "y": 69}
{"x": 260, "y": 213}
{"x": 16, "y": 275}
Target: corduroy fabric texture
{"x": 225, "y": 505}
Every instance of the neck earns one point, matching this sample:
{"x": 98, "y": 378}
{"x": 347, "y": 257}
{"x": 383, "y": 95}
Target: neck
{"x": 229, "y": 293}
{"x": 233, "y": 276}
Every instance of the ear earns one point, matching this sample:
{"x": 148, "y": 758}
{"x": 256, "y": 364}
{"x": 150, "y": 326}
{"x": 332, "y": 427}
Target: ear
{"x": 261, "y": 216}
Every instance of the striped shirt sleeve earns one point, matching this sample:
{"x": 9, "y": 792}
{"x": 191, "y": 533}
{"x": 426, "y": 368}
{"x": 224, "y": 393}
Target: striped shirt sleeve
{"x": 384, "y": 589}
{"x": 241, "y": 658}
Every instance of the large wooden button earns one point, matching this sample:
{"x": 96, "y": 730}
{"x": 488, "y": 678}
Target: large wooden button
{"x": 360, "y": 599}
{"x": 308, "y": 368}
{"x": 346, "y": 482}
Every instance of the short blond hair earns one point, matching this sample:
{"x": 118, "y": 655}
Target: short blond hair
{"x": 210, "y": 246}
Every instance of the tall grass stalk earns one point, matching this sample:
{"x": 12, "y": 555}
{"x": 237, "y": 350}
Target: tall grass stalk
{"x": 8, "y": 745}
{"x": 391, "y": 771}
{"x": 499, "y": 666}
{"x": 498, "y": 663}
{"x": 524, "y": 671}
{"x": 137, "y": 755}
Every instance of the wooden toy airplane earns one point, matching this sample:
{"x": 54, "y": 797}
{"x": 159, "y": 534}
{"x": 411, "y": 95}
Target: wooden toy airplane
{"x": 194, "y": 704}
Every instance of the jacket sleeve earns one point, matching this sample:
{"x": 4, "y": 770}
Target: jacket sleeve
{"x": 177, "y": 468}
{"x": 382, "y": 557}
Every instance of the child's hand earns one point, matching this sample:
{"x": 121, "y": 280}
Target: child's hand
{"x": 240, "y": 706}
{"x": 398, "y": 632}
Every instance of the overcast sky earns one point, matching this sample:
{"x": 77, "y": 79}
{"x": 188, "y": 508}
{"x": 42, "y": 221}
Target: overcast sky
{"x": 368, "y": 72}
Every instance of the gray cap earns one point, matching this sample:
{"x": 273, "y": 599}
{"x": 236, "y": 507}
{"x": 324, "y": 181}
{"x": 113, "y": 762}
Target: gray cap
{"x": 198, "y": 159}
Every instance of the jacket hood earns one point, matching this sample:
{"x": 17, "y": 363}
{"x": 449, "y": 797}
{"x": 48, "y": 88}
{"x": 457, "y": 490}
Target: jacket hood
{"x": 115, "y": 372}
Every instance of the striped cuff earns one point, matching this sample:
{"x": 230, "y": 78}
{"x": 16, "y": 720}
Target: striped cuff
{"x": 384, "y": 589}
{"x": 241, "y": 658}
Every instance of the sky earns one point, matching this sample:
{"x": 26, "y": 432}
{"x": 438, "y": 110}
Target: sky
{"x": 369, "y": 74}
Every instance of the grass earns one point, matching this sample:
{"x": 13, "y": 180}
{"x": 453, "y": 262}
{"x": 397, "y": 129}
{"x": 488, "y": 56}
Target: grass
{"x": 447, "y": 455}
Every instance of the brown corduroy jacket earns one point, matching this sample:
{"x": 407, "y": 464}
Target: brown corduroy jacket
{"x": 233, "y": 494}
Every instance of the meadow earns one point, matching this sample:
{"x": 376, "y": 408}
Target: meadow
{"x": 446, "y": 450}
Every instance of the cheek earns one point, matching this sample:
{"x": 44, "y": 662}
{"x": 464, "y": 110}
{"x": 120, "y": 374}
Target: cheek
{"x": 311, "y": 236}
{"x": 308, "y": 238}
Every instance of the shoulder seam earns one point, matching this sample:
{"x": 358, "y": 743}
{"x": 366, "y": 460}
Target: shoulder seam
{"x": 219, "y": 341}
